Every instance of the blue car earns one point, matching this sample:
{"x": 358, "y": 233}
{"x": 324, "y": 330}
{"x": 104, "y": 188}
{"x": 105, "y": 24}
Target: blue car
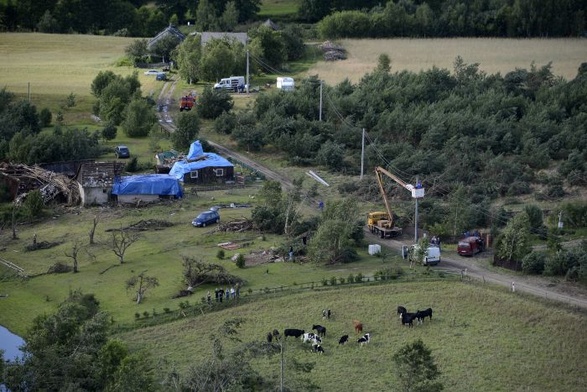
{"x": 206, "y": 218}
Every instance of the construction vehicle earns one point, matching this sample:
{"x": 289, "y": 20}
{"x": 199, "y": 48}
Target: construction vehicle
{"x": 382, "y": 223}
{"x": 187, "y": 102}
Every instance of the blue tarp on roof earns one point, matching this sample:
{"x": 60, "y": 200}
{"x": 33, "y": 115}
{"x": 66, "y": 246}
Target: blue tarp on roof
{"x": 197, "y": 159}
{"x": 196, "y": 150}
{"x": 147, "y": 184}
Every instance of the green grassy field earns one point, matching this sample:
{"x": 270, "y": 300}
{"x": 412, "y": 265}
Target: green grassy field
{"x": 482, "y": 339}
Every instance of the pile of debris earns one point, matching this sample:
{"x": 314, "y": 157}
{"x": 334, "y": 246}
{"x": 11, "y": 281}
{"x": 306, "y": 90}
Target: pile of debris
{"x": 236, "y": 225}
{"x": 332, "y": 51}
{"x": 22, "y": 179}
{"x": 145, "y": 225}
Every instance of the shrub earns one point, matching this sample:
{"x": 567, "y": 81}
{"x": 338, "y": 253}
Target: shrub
{"x": 359, "y": 278}
{"x": 34, "y": 204}
{"x": 132, "y": 166}
{"x": 533, "y": 263}
{"x": 59, "y": 268}
{"x": 333, "y": 281}
{"x": 167, "y": 310}
{"x": 324, "y": 282}
{"x": 137, "y": 315}
{"x": 351, "y": 278}
{"x": 220, "y": 254}
{"x": 146, "y": 314}
{"x": 45, "y": 117}
{"x": 341, "y": 280}
{"x": 240, "y": 261}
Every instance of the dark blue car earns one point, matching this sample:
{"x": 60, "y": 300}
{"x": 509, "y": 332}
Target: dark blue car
{"x": 206, "y": 218}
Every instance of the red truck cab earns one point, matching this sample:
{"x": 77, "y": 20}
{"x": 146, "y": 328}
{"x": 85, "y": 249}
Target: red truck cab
{"x": 470, "y": 246}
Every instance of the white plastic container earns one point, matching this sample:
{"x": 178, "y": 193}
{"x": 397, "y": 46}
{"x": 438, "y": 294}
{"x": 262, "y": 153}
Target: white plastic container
{"x": 374, "y": 249}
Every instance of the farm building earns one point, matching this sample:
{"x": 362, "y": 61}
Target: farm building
{"x": 146, "y": 188}
{"x": 96, "y": 180}
{"x": 169, "y": 31}
{"x": 202, "y": 168}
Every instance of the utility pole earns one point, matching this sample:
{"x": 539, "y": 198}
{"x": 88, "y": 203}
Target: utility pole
{"x": 320, "y": 113}
{"x": 248, "y": 71}
{"x": 362, "y": 152}
{"x": 416, "y": 218}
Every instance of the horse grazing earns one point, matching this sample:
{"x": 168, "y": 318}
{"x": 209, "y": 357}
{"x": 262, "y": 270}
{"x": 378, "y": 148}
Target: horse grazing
{"x": 358, "y": 326}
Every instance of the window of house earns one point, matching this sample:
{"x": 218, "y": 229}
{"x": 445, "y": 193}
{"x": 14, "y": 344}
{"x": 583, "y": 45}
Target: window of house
{"x": 194, "y": 174}
{"x": 219, "y": 172}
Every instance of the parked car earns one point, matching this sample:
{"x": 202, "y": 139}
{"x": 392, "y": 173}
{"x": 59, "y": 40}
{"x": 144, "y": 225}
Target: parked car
{"x": 122, "y": 152}
{"x": 470, "y": 246}
{"x": 152, "y": 72}
{"x": 206, "y": 218}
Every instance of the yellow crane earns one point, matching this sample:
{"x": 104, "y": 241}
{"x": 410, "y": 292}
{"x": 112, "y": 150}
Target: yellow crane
{"x": 381, "y": 222}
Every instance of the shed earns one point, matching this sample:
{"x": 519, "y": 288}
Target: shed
{"x": 96, "y": 179}
{"x": 202, "y": 168}
{"x": 169, "y": 31}
{"x": 146, "y": 187}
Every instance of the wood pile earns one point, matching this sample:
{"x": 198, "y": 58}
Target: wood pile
{"x": 332, "y": 51}
{"x": 236, "y": 225}
{"x": 23, "y": 179}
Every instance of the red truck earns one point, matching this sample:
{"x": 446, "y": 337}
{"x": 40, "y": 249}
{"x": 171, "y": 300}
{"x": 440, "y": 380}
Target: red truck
{"x": 469, "y": 246}
{"x": 187, "y": 103}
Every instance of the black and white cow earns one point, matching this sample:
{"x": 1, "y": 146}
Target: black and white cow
{"x": 320, "y": 329}
{"x": 296, "y": 333}
{"x": 343, "y": 339}
{"x": 326, "y": 313}
{"x": 366, "y": 338}
{"x": 308, "y": 337}
{"x": 317, "y": 349}
{"x": 422, "y": 314}
{"x": 408, "y": 319}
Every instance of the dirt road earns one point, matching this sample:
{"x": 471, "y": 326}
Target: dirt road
{"x": 555, "y": 289}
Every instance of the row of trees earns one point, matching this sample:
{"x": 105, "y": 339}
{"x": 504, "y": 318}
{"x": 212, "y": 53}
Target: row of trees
{"x": 453, "y": 18}
{"x": 137, "y": 18}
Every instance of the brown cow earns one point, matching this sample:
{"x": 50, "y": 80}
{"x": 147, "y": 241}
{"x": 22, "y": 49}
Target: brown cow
{"x": 358, "y": 326}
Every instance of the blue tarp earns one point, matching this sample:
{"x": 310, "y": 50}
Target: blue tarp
{"x": 147, "y": 184}
{"x": 196, "y": 150}
{"x": 180, "y": 168}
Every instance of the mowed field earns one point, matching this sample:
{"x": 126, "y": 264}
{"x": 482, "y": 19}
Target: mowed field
{"x": 493, "y": 55}
{"x": 482, "y": 338}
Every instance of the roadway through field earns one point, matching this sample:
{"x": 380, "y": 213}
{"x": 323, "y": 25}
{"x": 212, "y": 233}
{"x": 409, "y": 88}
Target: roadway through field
{"x": 472, "y": 268}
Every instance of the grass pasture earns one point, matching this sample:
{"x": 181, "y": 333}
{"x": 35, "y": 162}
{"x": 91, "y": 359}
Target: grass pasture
{"x": 278, "y": 8}
{"x": 482, "y": 338}
{"x": 493, "y": 55}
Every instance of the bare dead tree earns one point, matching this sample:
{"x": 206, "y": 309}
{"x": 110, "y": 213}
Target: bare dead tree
{"x": 141, "y": 283}
{"x": 14, "y": 236}
{"x": 121, "y": 241}
{"x": 75, "y": 249}
{"x": 93, "y": 229}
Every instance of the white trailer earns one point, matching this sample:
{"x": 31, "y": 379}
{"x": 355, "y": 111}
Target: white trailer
{"x": 285, "y": 83}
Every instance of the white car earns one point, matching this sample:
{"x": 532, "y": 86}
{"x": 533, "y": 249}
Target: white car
{"x": 152, "y": 72}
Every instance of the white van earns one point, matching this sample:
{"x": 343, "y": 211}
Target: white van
{"x": 285, "y": 83}
{"x": 430, "y": 257}
{"x": 233, "y": 83}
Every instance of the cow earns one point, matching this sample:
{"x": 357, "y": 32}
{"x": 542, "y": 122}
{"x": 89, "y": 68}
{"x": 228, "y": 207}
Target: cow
{"x": 269, "y": 337}
{"x": 308, "y": 337}
{"x": 317, "y": 349}
{"x": 408, "y": 319}
{"x": 276, "y": 334}
{"x": 366, "y": 338}
{"x": 326, "y": 313}
{"x": 343, "y": 339}
{"x": 422, "y": 314}
{"x": 358, "y": 326}
{"x": 296, "y": 333}
{"x": 401, "y": 310}
{"x": 320, "y": 329}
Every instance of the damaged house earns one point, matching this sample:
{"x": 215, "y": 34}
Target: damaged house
{"x": 95, "y": 181}
{"x": 202, "y": 168}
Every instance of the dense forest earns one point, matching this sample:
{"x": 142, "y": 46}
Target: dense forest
{"x": 338, "y": 18}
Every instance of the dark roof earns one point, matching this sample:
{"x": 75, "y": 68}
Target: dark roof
{"x": 169, "y": 30}
{"x": 208, "y": 35}
{"x": 272, "y": 25}
{"x": 99, "y": 174}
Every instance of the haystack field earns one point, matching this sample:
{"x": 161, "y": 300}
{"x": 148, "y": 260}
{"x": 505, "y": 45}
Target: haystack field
{"x": 493, "y": 55}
